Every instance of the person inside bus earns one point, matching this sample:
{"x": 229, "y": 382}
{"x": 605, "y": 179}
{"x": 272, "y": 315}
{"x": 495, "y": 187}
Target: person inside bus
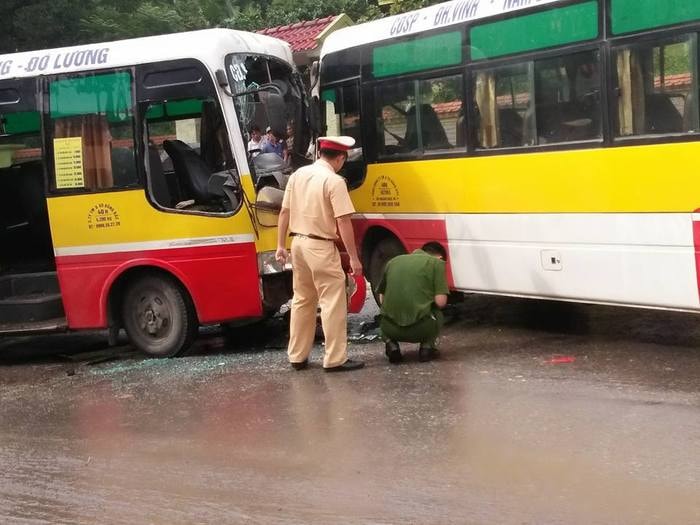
{"x": 412, "y": 293}
{"x": 255, "y": 143}
{"x": 432, "y": 133}
{"x": 276, "y": 144}
{"x": 268, "y": 136}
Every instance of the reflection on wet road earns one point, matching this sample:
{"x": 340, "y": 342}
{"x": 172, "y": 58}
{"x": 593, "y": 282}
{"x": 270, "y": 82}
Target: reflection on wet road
{"x": 537, "y": 413}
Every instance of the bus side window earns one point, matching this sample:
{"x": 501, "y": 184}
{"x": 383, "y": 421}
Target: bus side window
{"x": 342, "y": 117}
{"x": 441, "y": 102}
{"x": 92, "y": 119}
{"x": 417, "y": 116}
{"x": 189, "y": 152}
{"x": 567, "y": 98}
{"x": 188, "y": 143}
{"x": 656, "y": 87}
{"x": 505, "y": 107}
{"x": 395, "y": 119}
{"x": 331, "y": 109}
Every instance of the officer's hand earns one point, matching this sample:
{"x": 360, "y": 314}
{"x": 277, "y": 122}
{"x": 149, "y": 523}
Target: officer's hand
{"x": 281, "y": 255}
{"x": 355, "y": 267}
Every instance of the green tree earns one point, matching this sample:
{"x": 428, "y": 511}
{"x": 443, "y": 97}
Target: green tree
{"x": 39, "y": 24}
{"x": 33, "y": 24}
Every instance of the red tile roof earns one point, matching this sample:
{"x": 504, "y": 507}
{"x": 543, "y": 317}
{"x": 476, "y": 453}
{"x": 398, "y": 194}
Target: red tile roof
{"x": 302, "y": 35}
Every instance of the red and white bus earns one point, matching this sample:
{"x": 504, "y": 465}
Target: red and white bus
{"x": 127, "y": 194}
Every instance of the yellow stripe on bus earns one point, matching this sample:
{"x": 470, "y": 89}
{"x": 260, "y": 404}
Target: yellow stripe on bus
{"x": 127, "y": 217}
{"x": 658, "y": 178}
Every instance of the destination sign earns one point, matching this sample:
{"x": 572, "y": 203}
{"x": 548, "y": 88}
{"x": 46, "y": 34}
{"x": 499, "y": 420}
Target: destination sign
{"x": 455, "y": 12}
{"x": 43, "y": 62}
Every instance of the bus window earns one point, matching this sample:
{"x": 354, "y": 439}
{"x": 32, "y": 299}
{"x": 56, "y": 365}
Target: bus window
{"x": 567, "y": 98}
{"x": 342, "y": 117}
{"x": 253, "y": 78}
{"x": 504, "y": 106}
{"x": 656, "y": 86}
{"x": 441, "y": 112}
{"x": 187, "y": 143}
{"x": 95, "y": 111}
{"x": 342, "y": 111}
{"x": 24, "y": 224}
{"x": 395, "y": 118}
{"x": 420, "y": 115}
{"x": 332, "y": 110}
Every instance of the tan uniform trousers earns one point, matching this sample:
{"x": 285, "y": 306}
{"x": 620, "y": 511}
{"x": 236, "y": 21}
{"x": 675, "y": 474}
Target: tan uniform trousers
{"x": 318, "y": 278}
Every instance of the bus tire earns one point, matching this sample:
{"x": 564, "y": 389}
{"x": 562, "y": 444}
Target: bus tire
{"x": 384, "y": 251}
{"x": 158, "y": 316}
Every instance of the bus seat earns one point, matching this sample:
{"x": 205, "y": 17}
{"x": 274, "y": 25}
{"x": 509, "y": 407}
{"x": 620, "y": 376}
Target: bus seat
{"x": 190, "y": 169}
{"x": 162, "y": 193}
{"x": 123, "y": 167}
{"x": 690, "y": 122}
{"x": 661, "y": 115}
{"x": 432, "y": 132}
{"x": 510, "y": 125}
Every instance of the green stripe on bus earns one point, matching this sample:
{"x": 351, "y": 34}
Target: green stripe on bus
{"x": 417, "y": 55}
{"x": 635, "y": 15}
{"x": 175, "y": 108}
{"x": 98, "y": 94}
{"x": 555, "y": 27}
{"x": 328, "y": 95}
{"x": 22, "y": 122}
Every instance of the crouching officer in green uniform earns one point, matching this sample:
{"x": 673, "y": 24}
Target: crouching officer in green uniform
{"x": 412, "y": 292}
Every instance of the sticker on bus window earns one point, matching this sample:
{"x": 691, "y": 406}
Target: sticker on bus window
{"x": 68, "y": 158}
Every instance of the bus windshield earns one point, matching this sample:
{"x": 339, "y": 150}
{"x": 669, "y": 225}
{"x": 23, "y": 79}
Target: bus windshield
{"x": 253, "y": 79}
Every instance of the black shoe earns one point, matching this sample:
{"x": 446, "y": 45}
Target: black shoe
{"x": 301, "y": 365}
{"x": 347, "y": 366}
{"x": 393, "y": 352}
{"x": 427, "y": 353}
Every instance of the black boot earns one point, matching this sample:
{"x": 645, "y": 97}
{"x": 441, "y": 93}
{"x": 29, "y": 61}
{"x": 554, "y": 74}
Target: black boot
{"x": 427, "y": 352}
{"x": 393, "y": 352}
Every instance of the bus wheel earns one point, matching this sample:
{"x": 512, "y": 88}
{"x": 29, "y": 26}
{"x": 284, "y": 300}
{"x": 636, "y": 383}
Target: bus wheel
{"x": 383, "y": 252}
{"x": 158, "y": 316}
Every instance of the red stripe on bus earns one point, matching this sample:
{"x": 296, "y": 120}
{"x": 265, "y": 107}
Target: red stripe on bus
{"x": 413, "y": 233}
{"x": 222, "y": 281}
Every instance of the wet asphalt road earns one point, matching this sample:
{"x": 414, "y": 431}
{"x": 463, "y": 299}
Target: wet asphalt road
{"x": 536, "y": 413}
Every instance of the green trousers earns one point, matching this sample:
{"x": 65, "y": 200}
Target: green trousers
{"x": 424, "y": 331}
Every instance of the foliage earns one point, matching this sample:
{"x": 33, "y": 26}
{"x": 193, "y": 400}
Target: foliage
{"x": 39, "y": 24}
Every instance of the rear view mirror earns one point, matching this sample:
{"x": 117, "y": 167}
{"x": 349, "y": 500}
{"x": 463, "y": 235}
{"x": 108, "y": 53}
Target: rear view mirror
{"x": 315, "y": 116}
{"x": 268, "y": 205}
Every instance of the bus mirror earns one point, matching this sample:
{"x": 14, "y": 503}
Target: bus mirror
{"x": 314, "y": 75}
{"x": 268, "y": 205}
{"x": 221, "y": 78}
{"x": 315, "y": 115}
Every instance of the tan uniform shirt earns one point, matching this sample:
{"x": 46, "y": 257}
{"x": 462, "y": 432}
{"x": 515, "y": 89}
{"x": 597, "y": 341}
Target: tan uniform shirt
{"x": 316, "y": 196}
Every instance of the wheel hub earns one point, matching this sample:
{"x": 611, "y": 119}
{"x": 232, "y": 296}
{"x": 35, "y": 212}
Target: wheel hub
{"x": 154, "y": 318}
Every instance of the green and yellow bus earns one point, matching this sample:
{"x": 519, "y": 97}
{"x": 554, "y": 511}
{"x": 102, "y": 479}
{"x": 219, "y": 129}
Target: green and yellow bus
{"x": 550, "y": 146}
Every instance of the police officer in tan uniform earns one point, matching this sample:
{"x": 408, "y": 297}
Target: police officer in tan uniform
{"x": 316, "y": 206}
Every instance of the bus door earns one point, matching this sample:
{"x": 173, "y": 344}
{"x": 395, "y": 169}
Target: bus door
{"x": 341, "y": 116}
{"x": 29, "y": 298}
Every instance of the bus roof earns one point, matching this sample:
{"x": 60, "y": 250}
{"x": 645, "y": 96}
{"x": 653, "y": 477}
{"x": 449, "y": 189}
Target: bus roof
{"x": 208, "y": 45}
{"x": 433, "y": 17}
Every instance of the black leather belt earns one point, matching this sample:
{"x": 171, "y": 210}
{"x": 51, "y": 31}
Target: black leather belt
{"x": 311, "y": 236}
